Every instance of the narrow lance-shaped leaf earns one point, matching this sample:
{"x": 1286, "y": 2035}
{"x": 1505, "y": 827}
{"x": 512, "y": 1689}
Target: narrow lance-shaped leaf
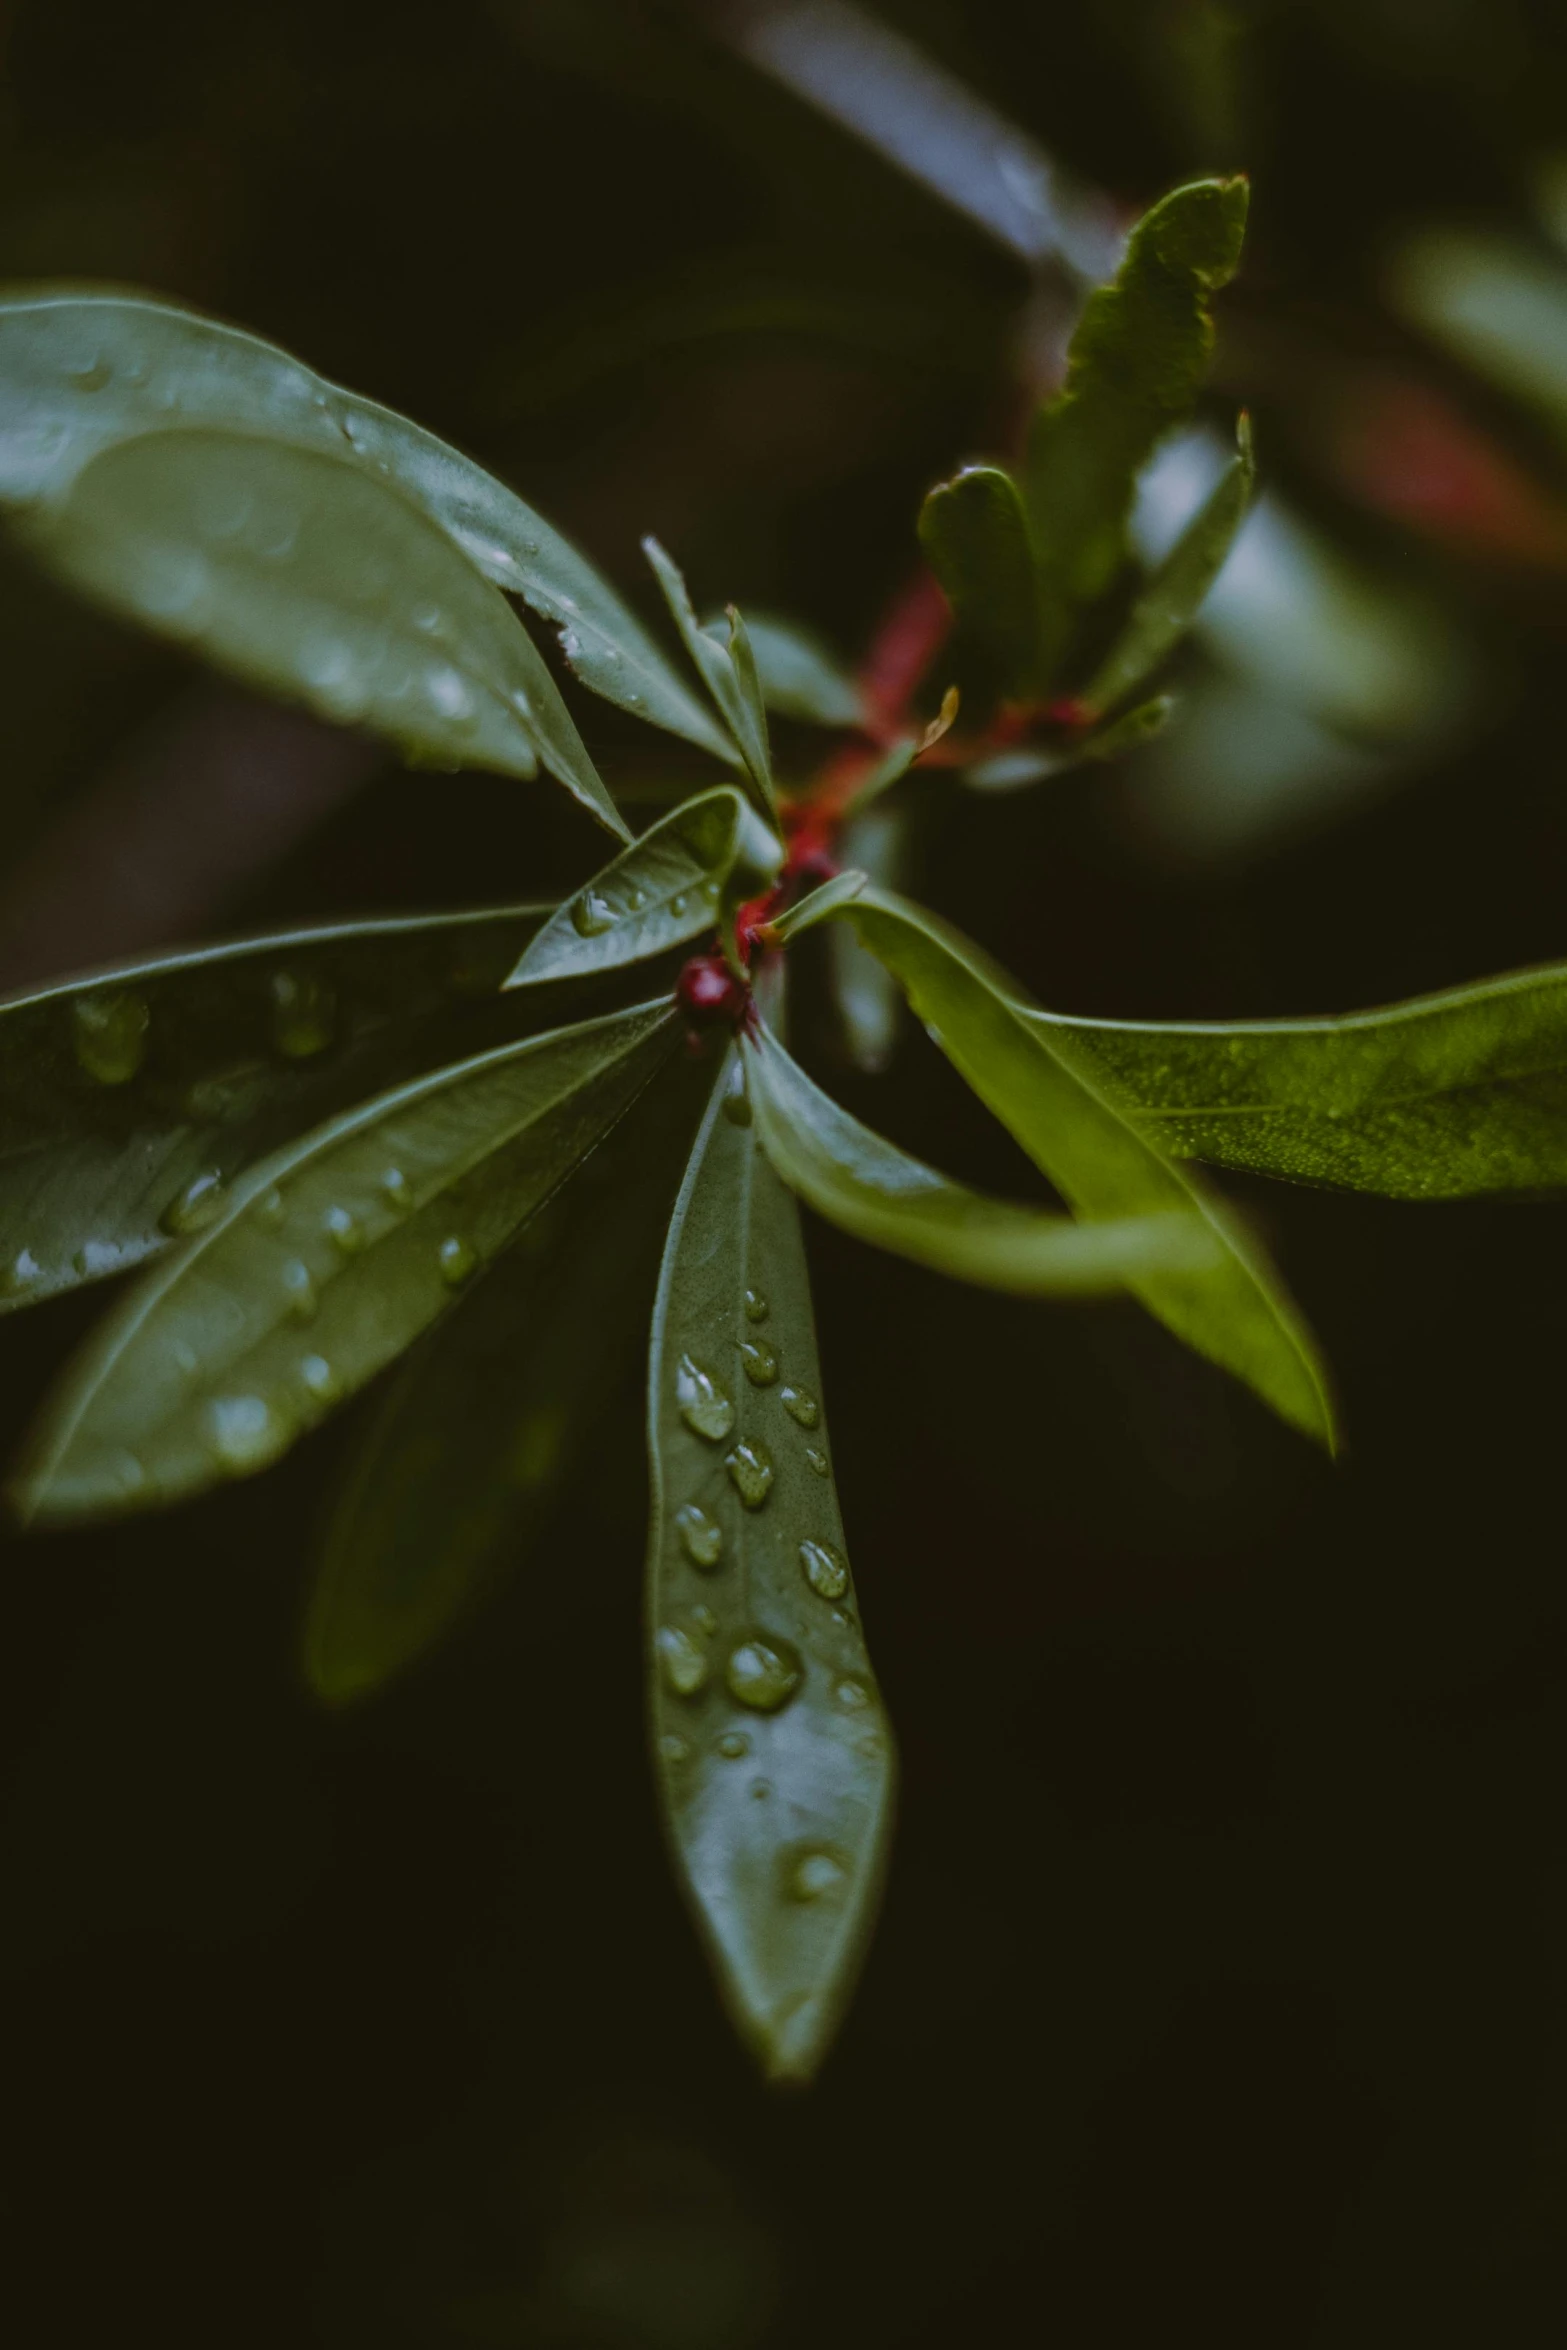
{"x": 489, "y": 1425}
{"x": 1237, "y": 1313}
{"x": 1443, "y": 1097}
{"x": 975, "y": 536}
{"x": 664, "y": 889}
{"x": 79, "y": 372}
{"x": 1137, "y": 363}
{"x": 800, "y": 676}
{"x": 1173, "y": 597}
{"x": 311, "y": 578}
{"x": 330, "y": 1257}
{"x": 132, "y": 1097}
{"x": 1010, "y": 770}
{"x": 865, "y": 1184}
{"x": 732, "y": 682}
{"x": 773, "y": 1752}
{"x": 868, "y": 999}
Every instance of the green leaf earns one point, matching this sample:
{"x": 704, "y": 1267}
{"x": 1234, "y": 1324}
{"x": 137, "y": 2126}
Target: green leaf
{"x": 866, "y": 1185}
{"x": 774, "y": 1755}
{"x": 1444, "y": 1097}
{"x": 1498, "y": 302}
{"x": 1236, "y": 1313}
{"x": 800, "y": 676}
{"x": 81, "y": 371}
{"x": 1174, "y": 596}
{"x": 1010, "y": 770}
{"x": 310, "y": 578}
{"x": 131, "y": 1098}
{"x": 868, "y": 1000}
{"x": 975, "y": 535}
{"x": 667, "y": 887}
{"x": 733, "y": 683}
{"x": 465, "y": 1468}
{"x": 1137, "y": 363}
{"x": 327, "y": 1260}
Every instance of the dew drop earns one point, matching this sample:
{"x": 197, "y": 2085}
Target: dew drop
{"x": 318, "y": 1379}
{"x": 396, "y": 1191}
{"x": 801, "y": 1405}
{"x": 682, "y": 1659}
{"x": 817, "y": 1461}
{"x": 760, "y": 1789}
{"x": 337, "y": 682}
{"x": 270, "y": 1208}
{"x": 704, "y": 1620}
{"x": 243, "y": 1431}
{"x": 704, "y": 1407}
{"x": 95, "y": 1258}
{"x": 186, "y": 1360}
{"x": 449, "y": 694}
{"x": 701, "y": 1535}
{"x": 428, "y": 618}
{"x": 200, "y": 1203}
{"x": 852, "y": 1695}
{"x": 111, "y": 1036}
{"x": 764, "y": 1672}
{"x": 342, "y": 1229}
{"x": 815, "y": 1875}
{"x": 825, "y": 1569}
{"x": 638, "y": 901}
{"x": 737, "y": 1102}
{"x": 678, "y": 905}
{"x": 757, "y": 1308}
{"x": 760, "y": 1361}
{"x": 571, "y": 644}
{"x": 674, "y": 1748}
{"x": 23, "y": 1272}
{"x": 592, "y": 914}
{"x": 732, "y": 1745}
{"x": 92, "y": 377}
{"x": 458, "y": 1260}
{"x": 304, "y": 1014}
{"x": 127, "y": 1475}
{"x": 750, "y": 1467}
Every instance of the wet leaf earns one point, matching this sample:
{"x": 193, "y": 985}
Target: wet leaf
{"x": 1174, "y": 596}
{"x": 666, "y": 888}
{"x": 1443, "y": 1097}
{"x": 733, "y": 684}
{"x": 975, "y": 535}
{"x": 1137, "y": 363}
{"x": 774, "y": 1756}
{"x": 327, "y": 1260}
{"x": 311, "y": 578}
{"x": 466, "y": 1466}
{"x": 79, "y": 372}
{"x": 1237, "y": 1313}
{"x": 131, "y": 1098}
{"x": 865, "y": 1184}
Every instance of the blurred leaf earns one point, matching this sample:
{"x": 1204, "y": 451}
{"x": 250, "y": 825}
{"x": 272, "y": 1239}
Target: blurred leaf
{"x": 774, "y": 1756}
{"x": 1236, "y": 1313}
{"x": 868, "y": 999}
{"x": 1496, "y": 302}
{"x": 1010, "y": 770}
{"x": 1138, "y": 360}
{"x": 1173, "y": 597}
{"x": 309, "y": 578}
{"x": 1440, "y": 1098}
{"x": 131, "y": 1098}
{"x": 800, "y": 677}
{"x": 664, "y": 889}
{"x": 464, "y": 1468}
{"x": 81, "y": 371}
{"x": 975, "y": 536}
{"x": 326, "y": 1261}
{"x": 866, "y": 1185}
{"x": 738, "y": 703}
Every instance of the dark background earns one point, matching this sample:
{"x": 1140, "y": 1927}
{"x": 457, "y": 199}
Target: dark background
{"x": 1222, "y": 1981}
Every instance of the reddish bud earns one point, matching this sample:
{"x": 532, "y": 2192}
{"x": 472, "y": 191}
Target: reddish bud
{"x": 708, "y": 991}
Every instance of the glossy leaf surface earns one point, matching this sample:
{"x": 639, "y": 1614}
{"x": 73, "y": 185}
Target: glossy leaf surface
{"x": 664, "y": 889}
{"x": 1174, "y": 596}
{"x": 1137, "y": 363}
{"x": 463, "y": 1472}
{"x": 800, "y": 675}
{"x": 310, "y": 578}
{"x": 975, "y": 536}
{"x": 328, "y": 1259}
{"x": 735, "y": 688}
{"x": 1443, "y": 1097}
{"x": 79, "y": 372}
{"x": 773, "y": 1751}
{"x": 865, "y": 1184}
{"x": 131, "y": 1098}
{"x": 1237, "y": 1313}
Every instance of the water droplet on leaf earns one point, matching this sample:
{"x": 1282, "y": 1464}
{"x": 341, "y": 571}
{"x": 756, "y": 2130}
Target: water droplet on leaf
{"x": 761, "y": 1363}
{"x": 852, "y": 1694}
{"x": 304, "y": 1014}
{"x": 732, "y": 1745}
{"x": 750, "y": 1467}
{"x": 244, "y": 1431}
{"x": 817, "y": 1461}
{"x": 764, "y": 1672}
{"x": 110, "y": 1035}
{"x": 704, "y": 1407}
{"x": 271, "y": 1208}
{"x": 825, "y": 1569}
{"x": 701, "y": 1535}
{"x": 801, "y": 1405}
{"x": 592, "y": 914}
{"x": 22, "y": 1273}
{"x": 396, "y": 1192}
{"x": 201, "y": 1203}
{"x": 683, "y": 1660}
{"x": 674, "y": 1748}
{"x": 318, "y": 1379}
{"x": 342, "y": 1229}
{"x": 458, "y": 1260}
{"x": 815, "y": 1875}
{"x": 757, "y": 1308}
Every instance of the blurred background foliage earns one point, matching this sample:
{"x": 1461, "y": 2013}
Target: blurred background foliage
{"x": 1223, "y": 1979}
